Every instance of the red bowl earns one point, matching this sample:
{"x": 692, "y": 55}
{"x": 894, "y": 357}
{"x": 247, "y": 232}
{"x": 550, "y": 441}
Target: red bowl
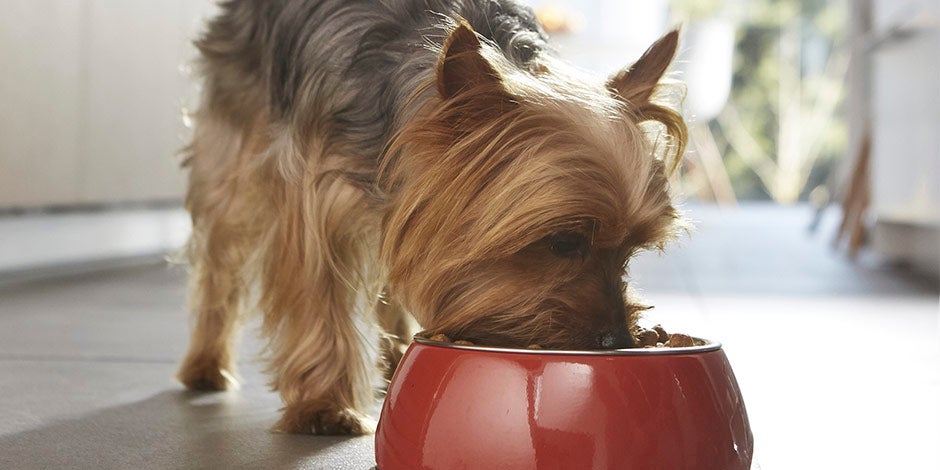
{"x": 453, "y": 407}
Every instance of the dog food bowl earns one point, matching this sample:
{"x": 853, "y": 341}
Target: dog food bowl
{"x": 468, "y": 407}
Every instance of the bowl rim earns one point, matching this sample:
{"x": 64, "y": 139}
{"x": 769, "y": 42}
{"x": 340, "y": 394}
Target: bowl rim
{"x": 709, "y": 346}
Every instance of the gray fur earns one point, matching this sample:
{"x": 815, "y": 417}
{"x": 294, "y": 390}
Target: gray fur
{"x": 343, "y": 69}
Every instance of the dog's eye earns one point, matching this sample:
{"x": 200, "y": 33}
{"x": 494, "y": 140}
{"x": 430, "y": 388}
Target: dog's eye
{"x": 568, "y": 244}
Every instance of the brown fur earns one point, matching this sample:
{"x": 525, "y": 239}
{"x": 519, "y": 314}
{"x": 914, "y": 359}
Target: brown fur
{"x": 466, "y": 225}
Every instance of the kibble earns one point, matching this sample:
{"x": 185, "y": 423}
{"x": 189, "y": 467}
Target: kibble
{"x": 663, "y": 336}
{"x": 679, "y": 340}
{"x": 657, "y": 337}
{"x": 440, "y": 338}
{"x": 646, "y": 338}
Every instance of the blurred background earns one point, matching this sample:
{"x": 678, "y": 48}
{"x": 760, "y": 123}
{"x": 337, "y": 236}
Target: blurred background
{"x": 812, "y": 180}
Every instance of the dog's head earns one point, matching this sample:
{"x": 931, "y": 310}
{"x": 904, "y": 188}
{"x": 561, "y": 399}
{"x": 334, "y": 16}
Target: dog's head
{"x": 518, "y": 197}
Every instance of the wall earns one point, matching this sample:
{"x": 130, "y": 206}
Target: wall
{"x": 905, "y": 106}
{"x": 906, "y": 114}
{"x": 91, "y": 93}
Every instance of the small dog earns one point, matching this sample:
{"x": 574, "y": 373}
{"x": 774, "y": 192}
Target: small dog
{"x": 356, "y": 161}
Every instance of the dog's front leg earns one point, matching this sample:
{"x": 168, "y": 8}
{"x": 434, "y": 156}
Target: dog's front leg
{"x": 324, "y": 383}
{"x": 318, "y": 350}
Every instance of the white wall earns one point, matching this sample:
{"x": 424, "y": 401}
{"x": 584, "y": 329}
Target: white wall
{"x": 90, "y": 98}
{"x": 906, "y": 119}
{"x": 905, "y": 107}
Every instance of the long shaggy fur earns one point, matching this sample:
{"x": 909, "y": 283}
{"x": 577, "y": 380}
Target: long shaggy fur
{"x": 354, "y": 160}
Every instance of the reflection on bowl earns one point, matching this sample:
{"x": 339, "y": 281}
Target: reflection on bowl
{"x": 451, "y": 407}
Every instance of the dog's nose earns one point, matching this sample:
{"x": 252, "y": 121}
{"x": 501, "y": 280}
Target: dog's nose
{"x": 615, "y": 340}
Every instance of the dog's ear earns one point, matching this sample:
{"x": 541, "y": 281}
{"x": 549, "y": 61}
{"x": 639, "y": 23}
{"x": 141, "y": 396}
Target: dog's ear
{"x": 636, "y": 83}
{"x": 461, "y": 65}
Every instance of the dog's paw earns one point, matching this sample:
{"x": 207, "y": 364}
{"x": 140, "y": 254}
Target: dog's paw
{"x": 206, "y": 376}
{"x": 329, "y": 421}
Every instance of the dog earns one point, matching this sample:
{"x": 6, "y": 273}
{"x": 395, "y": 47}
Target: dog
{"x": 354, "y": 162}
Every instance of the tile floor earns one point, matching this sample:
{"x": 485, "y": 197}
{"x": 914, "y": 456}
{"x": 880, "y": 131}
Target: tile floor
{"x": 839, "y": 362}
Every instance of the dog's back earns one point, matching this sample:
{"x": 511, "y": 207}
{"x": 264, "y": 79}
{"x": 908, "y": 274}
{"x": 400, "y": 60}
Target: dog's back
{"x": 344, "y": 69}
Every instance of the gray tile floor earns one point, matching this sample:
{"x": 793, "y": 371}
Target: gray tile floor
{"x": 839, "y": 362}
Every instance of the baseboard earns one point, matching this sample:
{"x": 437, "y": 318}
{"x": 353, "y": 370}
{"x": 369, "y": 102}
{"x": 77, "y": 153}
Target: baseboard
{"x": 914, "y": 244}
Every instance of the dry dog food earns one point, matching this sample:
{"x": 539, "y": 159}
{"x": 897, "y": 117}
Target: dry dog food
{"x": 679, "y": 340}
{"x": 655, "y": 337}
{"x": 442, "y": 338}
{"x": 648, "y": 338}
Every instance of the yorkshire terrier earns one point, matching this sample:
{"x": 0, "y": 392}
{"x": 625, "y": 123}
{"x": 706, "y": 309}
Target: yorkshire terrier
{"x": 354, "y": 162}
